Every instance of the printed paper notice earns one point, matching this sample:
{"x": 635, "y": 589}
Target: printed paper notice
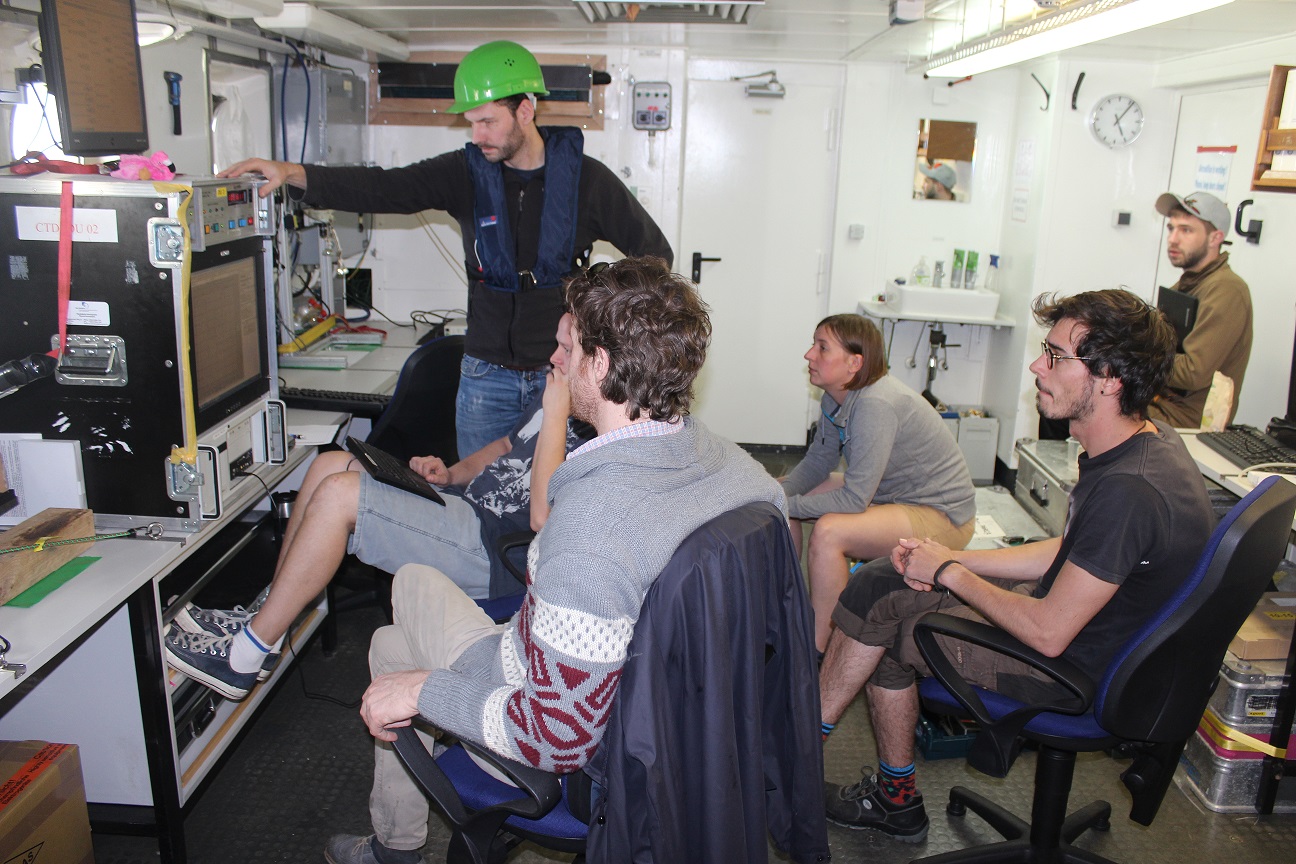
{"x": 1213, "y": 167}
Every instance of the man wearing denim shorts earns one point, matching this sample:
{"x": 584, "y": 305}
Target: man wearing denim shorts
{"x": 341, "y": 508}
{"x": 1136, "y": 524}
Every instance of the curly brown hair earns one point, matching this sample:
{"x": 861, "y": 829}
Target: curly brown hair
{"x": 1124, "y": 338}
{"x": 654, "y": 328}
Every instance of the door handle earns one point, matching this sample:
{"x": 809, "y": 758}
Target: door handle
{"x": 697, "y": 266}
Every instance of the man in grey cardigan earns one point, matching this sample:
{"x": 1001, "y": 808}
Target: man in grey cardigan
{"x": 539, "y": 689}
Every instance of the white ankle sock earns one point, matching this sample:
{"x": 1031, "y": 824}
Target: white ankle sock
{"x": 248, "y": 651}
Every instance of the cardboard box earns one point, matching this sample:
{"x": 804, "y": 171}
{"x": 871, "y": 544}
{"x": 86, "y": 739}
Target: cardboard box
{"x": 1267, "y": 632}
{"x": 43, "y": 813}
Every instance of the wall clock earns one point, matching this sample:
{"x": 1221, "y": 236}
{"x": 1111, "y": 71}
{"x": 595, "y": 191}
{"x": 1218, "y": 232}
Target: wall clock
{"x": 1116, "y": 121}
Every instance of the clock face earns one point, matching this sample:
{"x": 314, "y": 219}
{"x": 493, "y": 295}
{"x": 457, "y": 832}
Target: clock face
{"x": 1116, "y": 121}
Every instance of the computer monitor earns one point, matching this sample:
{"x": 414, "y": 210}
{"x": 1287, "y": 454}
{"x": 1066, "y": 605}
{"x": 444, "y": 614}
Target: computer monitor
{"x": 230, "y": 350}
{"x": 92, "y": 67}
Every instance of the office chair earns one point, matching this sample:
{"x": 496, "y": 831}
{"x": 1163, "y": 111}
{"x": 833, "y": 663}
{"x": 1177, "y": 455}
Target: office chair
{"x": 419, "y": 421}
{"x": 713, "y": 739}
{"x": 420, "y": 418}
{"x": 1150, "y": 699}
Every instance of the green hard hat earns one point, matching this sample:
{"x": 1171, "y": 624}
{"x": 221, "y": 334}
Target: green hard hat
{"x": 493, "y": 71}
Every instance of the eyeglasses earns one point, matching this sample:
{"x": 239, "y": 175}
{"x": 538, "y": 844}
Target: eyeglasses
{"x": 596, "y": 270}
{"x": 1054, "y": 357}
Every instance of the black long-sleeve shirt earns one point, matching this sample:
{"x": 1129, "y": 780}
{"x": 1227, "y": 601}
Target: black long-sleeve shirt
{"x": 506, "y": 328}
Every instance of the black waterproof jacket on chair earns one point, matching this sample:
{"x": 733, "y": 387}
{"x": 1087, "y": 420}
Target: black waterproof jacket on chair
{"x": 726, "y": 698}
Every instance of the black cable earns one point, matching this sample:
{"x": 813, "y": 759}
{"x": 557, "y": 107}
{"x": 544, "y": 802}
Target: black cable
{"x": 301, "y": 679}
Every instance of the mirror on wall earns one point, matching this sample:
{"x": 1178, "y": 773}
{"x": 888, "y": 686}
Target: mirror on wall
{"x": 943, "y": 169}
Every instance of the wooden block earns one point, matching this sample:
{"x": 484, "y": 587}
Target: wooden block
{"x": 4, "y": 487}
{"x": 21, "y": 570}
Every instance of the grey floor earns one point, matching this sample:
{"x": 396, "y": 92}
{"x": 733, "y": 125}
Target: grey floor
{"x": 302, "y": 773}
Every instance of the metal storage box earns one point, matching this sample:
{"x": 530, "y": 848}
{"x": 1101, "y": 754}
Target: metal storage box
{"x": 1248, "y": 693}
{"x": 1224, "y": 779}
{"x": 1046, "y": 474}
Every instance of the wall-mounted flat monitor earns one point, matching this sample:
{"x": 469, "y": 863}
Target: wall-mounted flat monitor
{"x": 92, "y": 67}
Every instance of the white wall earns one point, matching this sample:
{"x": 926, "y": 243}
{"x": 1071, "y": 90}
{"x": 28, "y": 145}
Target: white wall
{"x": 879, "y": 144}
{"x": 1067, "y": 242}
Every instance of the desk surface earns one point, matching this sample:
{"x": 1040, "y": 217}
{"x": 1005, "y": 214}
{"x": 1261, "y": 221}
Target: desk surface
{"x": 40, "y": 633}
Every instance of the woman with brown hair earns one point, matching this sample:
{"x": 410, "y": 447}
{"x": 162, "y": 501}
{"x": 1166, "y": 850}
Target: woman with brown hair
{"x": 905, "y": 475}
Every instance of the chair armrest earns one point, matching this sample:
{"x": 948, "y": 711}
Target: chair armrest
{"x": 508, "y": 542}
{"x": 541, "y": 789}
{"x": 997, "y": 747}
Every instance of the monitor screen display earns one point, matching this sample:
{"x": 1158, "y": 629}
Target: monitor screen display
{"x": 229, "y": 341}
{"x": 92, "y": 67}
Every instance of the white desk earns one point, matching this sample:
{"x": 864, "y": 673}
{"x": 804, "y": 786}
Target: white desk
{"x": 1215, "y": 467}
{"x": 96, "y": 677}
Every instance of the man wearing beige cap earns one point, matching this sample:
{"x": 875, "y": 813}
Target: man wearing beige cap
{"x": 1220, "y": 339}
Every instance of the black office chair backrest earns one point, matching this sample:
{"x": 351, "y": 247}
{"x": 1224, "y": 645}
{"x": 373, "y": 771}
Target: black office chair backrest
{"x": 420, "y": 419}
{"x": 1157, "y": 687}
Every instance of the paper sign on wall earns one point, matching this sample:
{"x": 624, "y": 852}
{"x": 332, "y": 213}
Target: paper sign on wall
{"x": 1213, "y": 167}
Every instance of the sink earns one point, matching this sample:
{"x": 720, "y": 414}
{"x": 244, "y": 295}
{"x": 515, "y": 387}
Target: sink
{"x": 944, "y": 304}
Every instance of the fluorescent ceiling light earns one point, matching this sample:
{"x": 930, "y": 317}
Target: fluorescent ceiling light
{"x": 1075, "y": 24}
{"x": 333, "y": 32}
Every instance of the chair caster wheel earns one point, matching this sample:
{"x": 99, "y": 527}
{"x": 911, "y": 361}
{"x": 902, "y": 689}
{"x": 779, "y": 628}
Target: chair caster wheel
{"x": 956, "y": 808}
{"x": 1102, "y": 825}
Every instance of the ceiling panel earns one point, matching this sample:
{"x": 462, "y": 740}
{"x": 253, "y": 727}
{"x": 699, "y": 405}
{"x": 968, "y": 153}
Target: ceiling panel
{"x": 781, "y": 29}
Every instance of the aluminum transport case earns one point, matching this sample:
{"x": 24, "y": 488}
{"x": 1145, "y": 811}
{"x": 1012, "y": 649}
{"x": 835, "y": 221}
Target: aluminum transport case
{"x": 123, "y": 388}
{"x": 1225, "y": 773}
{"x": 1046, "y": 474}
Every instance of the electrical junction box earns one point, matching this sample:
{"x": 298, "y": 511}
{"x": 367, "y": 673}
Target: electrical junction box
{"x": 652, "y": 106}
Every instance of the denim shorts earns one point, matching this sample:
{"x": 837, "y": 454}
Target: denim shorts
{"x": 394, "y": 527}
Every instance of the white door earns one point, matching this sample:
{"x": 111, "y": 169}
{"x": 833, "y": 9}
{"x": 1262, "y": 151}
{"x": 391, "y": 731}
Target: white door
{"x": 759, "y": 186}
{"x": 1221, "y": 118}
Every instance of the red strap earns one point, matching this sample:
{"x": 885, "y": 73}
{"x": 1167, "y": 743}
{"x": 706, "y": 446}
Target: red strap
{"x": 35, "y": 163}
{"x": 64, "y": 265}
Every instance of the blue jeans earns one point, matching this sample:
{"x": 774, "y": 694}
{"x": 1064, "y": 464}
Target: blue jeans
{"x": 490, "y": 401}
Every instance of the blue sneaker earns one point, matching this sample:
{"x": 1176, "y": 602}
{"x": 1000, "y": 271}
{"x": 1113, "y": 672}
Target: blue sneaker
{"x": 205, "y": 658}
{"x": 225, "y": 622}
{"x": 219, "y": 622}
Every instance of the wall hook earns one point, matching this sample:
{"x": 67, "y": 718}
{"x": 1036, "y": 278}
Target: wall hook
{"x": 1252, "y": 231}
{"x": 1047, "y": 96}
{"x": 1075, "y": 94}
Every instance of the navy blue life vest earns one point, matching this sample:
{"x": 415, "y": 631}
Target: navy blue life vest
{"x": 556, "y": 252}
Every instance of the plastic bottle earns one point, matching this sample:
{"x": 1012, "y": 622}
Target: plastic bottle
{"x": 992, "y": 274}
{"x": 920, "y": 276}
{"x": 938, "y": 275}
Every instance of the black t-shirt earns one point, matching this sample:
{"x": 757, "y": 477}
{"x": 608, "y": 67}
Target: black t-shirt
{"x": 1138, "y": 518}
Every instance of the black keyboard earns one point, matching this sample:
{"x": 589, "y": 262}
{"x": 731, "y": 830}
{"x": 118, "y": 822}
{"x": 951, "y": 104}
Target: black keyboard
{"x": 369, "y": 405}
{"x": 1245, "y": 446}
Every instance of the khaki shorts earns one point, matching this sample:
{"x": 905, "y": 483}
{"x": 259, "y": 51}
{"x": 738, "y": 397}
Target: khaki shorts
{"x": 930, "y": 522}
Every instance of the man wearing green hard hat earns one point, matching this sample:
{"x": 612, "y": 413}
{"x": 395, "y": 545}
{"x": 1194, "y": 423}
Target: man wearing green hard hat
{"x": 530, "y": 206}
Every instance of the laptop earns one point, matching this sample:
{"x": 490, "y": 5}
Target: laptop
{"x": 386, "y": 468}
{"x": 1181, "y": 311}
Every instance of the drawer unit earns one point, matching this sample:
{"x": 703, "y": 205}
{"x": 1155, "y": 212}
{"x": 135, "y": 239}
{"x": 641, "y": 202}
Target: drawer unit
{"x": 1046, "y": 474}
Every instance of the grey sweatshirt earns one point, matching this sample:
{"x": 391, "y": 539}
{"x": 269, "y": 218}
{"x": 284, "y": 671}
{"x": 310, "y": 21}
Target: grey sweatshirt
{"x": 898, "y": 451}
{"x": 540, "y": 692}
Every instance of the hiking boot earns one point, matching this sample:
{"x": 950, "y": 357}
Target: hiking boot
{"x": 205, "y": 658}
{"x": 350, "y": 849}
{"x": 218, "y": 622}
{"x": 865, "y": 805}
